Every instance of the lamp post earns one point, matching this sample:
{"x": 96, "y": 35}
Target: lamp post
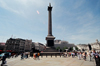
{"x": 89, "y": 51}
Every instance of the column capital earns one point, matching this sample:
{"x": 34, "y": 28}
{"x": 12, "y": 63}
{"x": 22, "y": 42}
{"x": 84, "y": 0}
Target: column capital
{"x": 49, "y": 7}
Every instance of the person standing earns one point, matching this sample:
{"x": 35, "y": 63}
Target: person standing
{"x": 72, "y": 54}
{"x": 27, "y": 55}
{"x": 97, "y": 60}
{"x": 99, "y": 54}
{"x": 85, "y": 54}
{"x": 79, "y": 56}
{"x": 65, "y": 54}
{"x": 34, "y": 56}
{"x": 9, "y": 55}
{"x": 90, "y": 56}
{"x": 38, "y": 55}
{"x": 68, "y": 54}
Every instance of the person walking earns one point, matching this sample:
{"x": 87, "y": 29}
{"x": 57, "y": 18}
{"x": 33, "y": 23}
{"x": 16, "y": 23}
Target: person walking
{"x": 22, "y": 56}
{"x": 84, "y": 56}
{"x": 3, "y": 60}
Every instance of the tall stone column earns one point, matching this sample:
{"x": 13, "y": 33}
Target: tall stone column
{"x": 50, "y": 38}
{"x": 49, "y": 20}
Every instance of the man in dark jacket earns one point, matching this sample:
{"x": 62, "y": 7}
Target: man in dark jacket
{"x": 97, "y": 60}
{"x": 3, "y": 60}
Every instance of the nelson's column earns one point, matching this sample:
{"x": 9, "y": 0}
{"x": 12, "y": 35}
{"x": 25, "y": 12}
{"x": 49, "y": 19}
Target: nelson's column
{"x": 50, "y": 38}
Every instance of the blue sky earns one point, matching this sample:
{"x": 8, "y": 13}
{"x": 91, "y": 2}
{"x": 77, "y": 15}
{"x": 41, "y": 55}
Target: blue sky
{"x": 75, "y": 21}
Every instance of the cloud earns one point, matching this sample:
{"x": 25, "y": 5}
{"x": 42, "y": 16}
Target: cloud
{"x": 37, "y": 12}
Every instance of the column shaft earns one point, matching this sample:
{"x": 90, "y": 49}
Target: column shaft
{"x": 49, "y": 23}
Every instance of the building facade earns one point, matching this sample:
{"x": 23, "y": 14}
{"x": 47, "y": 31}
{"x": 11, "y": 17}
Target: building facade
{"x": 83, "y": 47}
{"x": 28, "y": 45}
{"x": 94, "y": 46}
{"x": 18, "y": 45}
{"x": 39, "y": 46}
{"x": 2, "y": 46}
{"x": 62, "y": 44}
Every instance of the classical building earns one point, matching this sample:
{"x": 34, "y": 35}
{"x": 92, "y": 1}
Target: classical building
{"x": 94, "y": 46}
{"x": 62, "y": 44}
{"x": 18, "y": 45}
{"x": 83, "y": 47}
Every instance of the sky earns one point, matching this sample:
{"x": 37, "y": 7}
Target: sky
{"x": 75, "y": 21}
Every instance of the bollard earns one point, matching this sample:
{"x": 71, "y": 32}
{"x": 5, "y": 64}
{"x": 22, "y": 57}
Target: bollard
{"x": 46, "y": 55}
{"x": 41, "y": 56}
{"x": 51, "y": 55}
{"x": 60, "y": 55}
{"x": 55, "y": 55}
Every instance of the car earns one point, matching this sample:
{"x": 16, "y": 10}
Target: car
{"x": 7, "y": 54}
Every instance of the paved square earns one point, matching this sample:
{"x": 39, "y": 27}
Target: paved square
{"x": 54, "y": 61}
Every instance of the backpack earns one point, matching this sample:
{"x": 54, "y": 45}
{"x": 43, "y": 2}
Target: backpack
{"x": 36, "y": 54}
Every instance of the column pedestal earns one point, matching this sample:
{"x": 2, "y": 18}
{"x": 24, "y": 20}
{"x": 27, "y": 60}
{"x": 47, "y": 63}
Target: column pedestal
{"x": 50, "y": 41}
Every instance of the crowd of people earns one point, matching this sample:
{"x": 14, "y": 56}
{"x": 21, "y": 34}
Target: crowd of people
{"x": 36, "y": 56}
{"x": 24, "y": 55}
{"x": 83, "y": 55}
